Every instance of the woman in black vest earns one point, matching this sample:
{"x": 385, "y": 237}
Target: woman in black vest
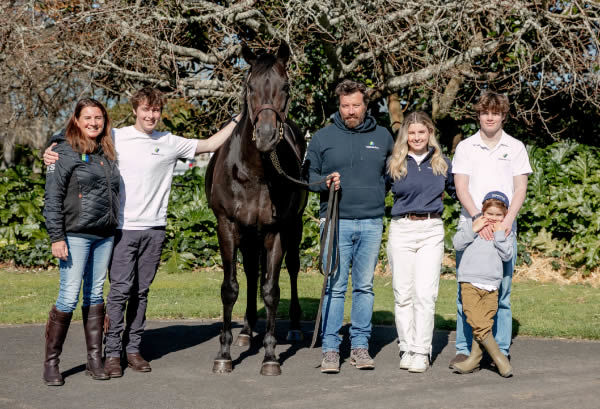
{"x": 81, "y": 209}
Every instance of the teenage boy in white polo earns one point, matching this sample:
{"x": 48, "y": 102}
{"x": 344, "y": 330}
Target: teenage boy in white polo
{"x": 490, "y": 160}
{"x": 147, "y": 159}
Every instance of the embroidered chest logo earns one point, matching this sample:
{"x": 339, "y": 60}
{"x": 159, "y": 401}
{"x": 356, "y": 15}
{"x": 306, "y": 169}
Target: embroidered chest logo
{"x": 371, "y": 145}
{"x": 156, "y": 151}
{"x": 503, "y": 156}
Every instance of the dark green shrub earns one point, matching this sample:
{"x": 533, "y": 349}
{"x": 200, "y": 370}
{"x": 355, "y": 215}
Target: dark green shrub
{"x": 560, "y": 217}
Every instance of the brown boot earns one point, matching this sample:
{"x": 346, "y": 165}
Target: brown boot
{"x": 501, "y": 361}
{"x": 470, "y": 364}
{"x": 93, "y": 322}
{"x": 56, "y": 332}
{"x": 112, "y": 366}
{"x": 138, "y": 363}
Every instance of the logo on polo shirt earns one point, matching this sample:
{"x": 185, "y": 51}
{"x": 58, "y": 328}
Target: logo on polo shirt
{"x": 371, "y": 145}
{"x": 504, "y": 157}
{"x": 156, "y": 150}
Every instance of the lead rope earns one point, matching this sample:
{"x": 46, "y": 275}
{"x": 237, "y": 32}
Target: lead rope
{"x": 329, "y": 236}
{"x": 330, "y": 229}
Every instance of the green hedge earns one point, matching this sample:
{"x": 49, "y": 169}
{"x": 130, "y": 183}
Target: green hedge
{"x": 561, "y": 216}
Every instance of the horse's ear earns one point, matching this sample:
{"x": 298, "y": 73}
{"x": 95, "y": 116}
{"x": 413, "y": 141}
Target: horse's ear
{"x": 283, "y": 53}
{"x": 248, "y": 54}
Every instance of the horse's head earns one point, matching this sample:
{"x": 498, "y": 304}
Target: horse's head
{"x": 267, "y": 94}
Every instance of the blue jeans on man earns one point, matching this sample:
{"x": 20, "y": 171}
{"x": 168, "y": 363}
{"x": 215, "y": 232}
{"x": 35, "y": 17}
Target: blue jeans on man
{"x": 359, "y": 242}
{"x": 502, "y": 329}
{"x": 87, "y": 262}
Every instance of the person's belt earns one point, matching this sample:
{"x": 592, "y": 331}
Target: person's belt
{"x": 421, "y": 216}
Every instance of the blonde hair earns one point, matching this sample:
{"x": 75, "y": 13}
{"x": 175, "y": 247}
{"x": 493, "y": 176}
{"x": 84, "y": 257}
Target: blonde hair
{"x": 397, "y": 163}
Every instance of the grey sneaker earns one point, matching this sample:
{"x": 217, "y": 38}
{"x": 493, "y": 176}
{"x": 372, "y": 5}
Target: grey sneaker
{"x": 360, "y": 358}
{"x": 330, "y": 362}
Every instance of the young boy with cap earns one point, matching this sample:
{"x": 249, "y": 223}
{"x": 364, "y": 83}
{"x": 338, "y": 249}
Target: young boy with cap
{"x": 479, "y": 276}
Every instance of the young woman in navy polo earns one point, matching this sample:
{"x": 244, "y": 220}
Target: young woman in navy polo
{"x": 419, "y": 174}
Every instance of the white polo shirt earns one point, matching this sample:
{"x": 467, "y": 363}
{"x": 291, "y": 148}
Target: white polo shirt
{"x": 146, "y": 163}
{"x": 490, "y": 169}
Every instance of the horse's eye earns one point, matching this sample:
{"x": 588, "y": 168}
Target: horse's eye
{"x": 286, "y": 87}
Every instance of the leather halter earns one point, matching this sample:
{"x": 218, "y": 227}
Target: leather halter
{"x": 281, "y": 115}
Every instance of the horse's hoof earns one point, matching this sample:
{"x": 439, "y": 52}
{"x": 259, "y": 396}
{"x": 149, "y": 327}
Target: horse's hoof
{"x": 222, "y": 366}
{"x": 270, "y": 369}
{"x": 243, "y": 340}
{"x": 295, "y": 335}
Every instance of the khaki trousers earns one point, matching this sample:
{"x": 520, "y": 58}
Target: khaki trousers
{"x": 480, "y": 307}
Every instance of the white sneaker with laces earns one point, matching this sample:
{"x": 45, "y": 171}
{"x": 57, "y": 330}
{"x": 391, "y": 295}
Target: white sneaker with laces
{"x": 419, "y": 364}
{"x": 406, "y": 360}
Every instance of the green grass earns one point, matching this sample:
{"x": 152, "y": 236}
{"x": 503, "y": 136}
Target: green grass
{"x": 548, "y": 310}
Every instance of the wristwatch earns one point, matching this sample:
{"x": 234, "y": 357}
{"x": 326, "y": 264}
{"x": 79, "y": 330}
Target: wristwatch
{"x": 477, "y": 216}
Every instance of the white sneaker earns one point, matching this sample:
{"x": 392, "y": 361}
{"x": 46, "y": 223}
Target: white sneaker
{"x": 419, "y": 363}
{"x": 406, "y": 360}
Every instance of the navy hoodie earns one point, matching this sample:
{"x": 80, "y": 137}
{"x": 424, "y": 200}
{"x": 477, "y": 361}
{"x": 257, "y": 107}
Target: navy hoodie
{"x": 359, "y": 155}
{"x": 420, "y": 191}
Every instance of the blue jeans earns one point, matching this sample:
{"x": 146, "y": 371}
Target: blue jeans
{"x": 502, "y": 328}
{"x": 87, "y": 261}
{"x": 359, "y": 241}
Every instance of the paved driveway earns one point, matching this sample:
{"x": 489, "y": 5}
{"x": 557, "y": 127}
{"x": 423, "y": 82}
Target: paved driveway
{"x": 549, "y": 373}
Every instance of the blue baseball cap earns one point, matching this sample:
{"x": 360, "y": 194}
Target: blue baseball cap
{"x": 498, "y": 196}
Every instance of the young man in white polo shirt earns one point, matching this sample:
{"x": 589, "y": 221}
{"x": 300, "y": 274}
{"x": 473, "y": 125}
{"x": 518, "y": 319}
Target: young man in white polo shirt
{"x": 147, "y": 159}
{"x": 487, "y": 161}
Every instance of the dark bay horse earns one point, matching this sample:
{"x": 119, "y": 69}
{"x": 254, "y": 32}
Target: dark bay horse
{"x": 258, "y": 211}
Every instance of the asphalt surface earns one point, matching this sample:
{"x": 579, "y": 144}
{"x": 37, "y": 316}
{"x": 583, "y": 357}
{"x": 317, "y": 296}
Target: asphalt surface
{"x": 549, "y": 373}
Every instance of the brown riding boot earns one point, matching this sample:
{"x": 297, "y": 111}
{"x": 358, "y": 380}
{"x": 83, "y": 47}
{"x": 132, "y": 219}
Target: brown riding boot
{"x": 470, "y": 364}
{"x": 93, "y": 322}
{"x": 56, "y": 332}
{"x": 501, "y": 361}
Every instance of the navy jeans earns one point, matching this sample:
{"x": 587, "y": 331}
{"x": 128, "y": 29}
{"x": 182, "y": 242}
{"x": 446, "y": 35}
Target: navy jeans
{"x": 359, "y": 241}
{"x": 135, "y": 260}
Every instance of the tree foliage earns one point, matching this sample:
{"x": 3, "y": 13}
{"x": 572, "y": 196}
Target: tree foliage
{"x": 436, "y": 55}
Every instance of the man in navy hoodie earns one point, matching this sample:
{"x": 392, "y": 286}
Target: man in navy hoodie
{"x": 352, "y": 152}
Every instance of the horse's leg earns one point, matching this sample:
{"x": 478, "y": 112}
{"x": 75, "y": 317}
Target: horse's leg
{"x": 228, "y": 242}
{"x": 292, "y": 262}
{"x": 250, "y": 254}
{"x": 270, "y": 290}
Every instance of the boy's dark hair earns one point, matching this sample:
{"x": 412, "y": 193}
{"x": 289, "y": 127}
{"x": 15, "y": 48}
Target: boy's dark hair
{"x": 494, "y": 202}
{"x": 492, "y": 101}
{"x": 348, "y": 87}
{"x": 149, "y": 95}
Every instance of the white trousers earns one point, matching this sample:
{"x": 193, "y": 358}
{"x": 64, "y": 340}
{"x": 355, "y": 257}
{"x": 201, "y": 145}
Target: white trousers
{"x": 415, "y": 250}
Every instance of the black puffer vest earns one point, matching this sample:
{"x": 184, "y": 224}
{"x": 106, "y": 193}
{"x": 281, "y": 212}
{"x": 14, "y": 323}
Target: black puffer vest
{"x": 82, "y": 194}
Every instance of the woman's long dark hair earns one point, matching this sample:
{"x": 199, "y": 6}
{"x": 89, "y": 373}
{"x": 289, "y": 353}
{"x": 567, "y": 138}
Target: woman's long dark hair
{"x": 79, "y": 142}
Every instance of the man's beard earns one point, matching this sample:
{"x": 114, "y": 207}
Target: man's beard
{"x": 353, "y": 122}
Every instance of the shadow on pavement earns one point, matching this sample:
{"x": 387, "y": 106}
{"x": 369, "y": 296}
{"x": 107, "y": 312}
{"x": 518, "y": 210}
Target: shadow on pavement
{"x": 73, "y": 371}
{"x": 159, "y": 342}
